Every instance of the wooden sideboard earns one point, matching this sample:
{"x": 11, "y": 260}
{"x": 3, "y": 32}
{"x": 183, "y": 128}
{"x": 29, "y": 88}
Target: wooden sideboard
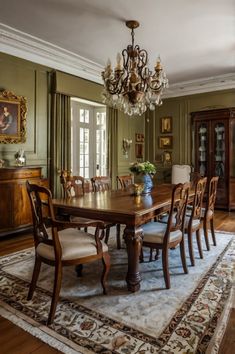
{"x": 15, "y": 211}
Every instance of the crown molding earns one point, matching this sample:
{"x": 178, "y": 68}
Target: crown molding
{"x": 23, "y": 45}
{"x": 209, "y": 84}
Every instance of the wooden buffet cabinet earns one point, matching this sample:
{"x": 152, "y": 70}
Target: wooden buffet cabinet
{"x": 15, "y": 211}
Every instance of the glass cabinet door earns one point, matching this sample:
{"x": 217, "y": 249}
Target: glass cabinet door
{"x": 219, "y": 149}
{"x": 202, "y": 149}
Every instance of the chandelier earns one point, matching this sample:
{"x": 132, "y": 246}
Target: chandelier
{"x": 131, "y": 87}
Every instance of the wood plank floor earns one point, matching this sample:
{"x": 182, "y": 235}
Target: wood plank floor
{"x": 13, "y": 340}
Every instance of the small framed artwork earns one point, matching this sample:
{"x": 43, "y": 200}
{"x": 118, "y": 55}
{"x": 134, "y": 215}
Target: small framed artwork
{"x": 167, "y": 157}
{"x": 165, "y": 142}
{"x": 166, "y": 125}
{"x": 139, "y": 153}
{"x": 13, "y": 111}
{"x": 139, "y": 138}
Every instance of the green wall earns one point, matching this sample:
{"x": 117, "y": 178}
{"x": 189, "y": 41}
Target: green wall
{"x": 24, "y": 78}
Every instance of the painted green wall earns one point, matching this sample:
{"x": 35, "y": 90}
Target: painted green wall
{"x": 24, "y": 78}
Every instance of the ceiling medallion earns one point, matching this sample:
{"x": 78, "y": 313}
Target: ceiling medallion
{"x": 131, "y": 87}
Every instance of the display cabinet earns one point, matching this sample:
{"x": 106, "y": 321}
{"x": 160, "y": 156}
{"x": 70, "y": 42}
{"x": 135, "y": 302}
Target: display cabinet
{"x": 15, "y": 210}
{"x": 214, "y": 151}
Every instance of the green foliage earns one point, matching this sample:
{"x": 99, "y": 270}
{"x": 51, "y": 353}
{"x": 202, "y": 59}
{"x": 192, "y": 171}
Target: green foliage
{"x": 143, "y": 167}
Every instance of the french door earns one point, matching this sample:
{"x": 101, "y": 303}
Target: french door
{"x": 89, "y": 139}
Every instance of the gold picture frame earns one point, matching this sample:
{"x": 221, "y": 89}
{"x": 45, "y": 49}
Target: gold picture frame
{"x": 13, "y": 110}
{"x": 166, "y": 125}
{"x": 165, "y": 142}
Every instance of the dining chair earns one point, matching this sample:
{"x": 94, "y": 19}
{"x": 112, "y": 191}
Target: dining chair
{"x": 124, "y": 181}
{"x": 73, "y": 186}
{"x": 62, "y": 244}
{"x": 165, "y": 236}
{"x": 102, "y": 184}
{"x": 180, "y": 174}
{"x": 208, "y": 211}
{"x": 194, "y": 219}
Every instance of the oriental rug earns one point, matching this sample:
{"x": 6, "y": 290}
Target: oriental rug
{"x": 188, "y": 318}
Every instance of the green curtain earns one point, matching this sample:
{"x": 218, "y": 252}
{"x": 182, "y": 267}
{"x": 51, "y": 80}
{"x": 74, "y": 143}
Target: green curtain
{"x": 60, "y": 134}
{"x": 112, "y": 119}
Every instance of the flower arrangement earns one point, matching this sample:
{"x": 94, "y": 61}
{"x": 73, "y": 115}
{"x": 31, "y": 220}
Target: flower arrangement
{"x": 143, "y": 168}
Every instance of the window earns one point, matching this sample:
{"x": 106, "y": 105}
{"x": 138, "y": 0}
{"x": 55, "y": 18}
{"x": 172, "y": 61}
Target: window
{"x": 89, "y": 139}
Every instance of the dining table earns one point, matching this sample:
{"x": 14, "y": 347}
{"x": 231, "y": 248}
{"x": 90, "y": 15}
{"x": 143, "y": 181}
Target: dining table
{"x": 121, "y": 207}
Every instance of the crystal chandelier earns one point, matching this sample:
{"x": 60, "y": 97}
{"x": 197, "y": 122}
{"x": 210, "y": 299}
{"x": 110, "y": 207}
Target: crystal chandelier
{"x": 131, "y": 87}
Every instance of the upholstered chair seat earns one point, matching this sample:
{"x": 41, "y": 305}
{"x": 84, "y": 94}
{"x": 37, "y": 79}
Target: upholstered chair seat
{"x": 74, "y": 244}
{"x": 155, "y": 232}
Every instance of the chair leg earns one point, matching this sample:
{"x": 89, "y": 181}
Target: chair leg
{"x": 106, "y": 264}
{"x": 205, "y": 229}
{"x": 150, "y": 255}
{"x": 157, "y": 254}
{"x": 199, "y": 245}
{"x": 56, "y": 292}
{"x": 118, "y": 231}
{"x": 183, "y": 257}
{"x": 36, "y": 271}
{"x": 141, "y": 258}
{"x": 78, "y": 269}
{"x": 107, "y": 233}
{"x": 213, "y": 231}
{"x": 166, "y": 268}
{"x": 190, "y": 247}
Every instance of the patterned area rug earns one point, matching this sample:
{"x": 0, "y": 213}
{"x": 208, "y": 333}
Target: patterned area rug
{"x": 188, "y": 318}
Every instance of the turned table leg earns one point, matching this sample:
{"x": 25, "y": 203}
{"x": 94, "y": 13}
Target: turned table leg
{"x": 133, "y": 238}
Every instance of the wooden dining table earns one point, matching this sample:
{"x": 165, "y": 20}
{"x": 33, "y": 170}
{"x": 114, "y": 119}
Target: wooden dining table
{"x": 120, "y": 207}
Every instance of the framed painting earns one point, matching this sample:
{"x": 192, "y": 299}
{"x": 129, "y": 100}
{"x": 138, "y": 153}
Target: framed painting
{"x": 13, "y": 111}
{"x": 167, "y": 157}
{"x": 139, "y": 153}
{"x": 165, "y": 142}
{"x": 139, "y": 138}
{"x": 166, "y": 125}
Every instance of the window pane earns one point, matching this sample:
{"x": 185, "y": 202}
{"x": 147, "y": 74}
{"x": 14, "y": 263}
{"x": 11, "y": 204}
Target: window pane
{"x": 81, "y": 134}
{"x": 86, "y": 116}
{"x": 86, "y": 161}
{"x": 98, "y": 118}
{"x": 82, "y": 115}
{"x": 81, "y": 161}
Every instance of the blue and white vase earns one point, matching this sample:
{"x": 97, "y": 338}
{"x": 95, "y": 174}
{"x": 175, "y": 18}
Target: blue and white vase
{"x": 148, "y": 183}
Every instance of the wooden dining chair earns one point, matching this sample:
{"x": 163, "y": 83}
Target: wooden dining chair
{"x": 74, "y": 186}
{"x": 124, "y": 181}
{"x": 166, "y": 236}
{"x": 194, "y": 220}
{"x": 208, "y": 211}
{"x": 102, "y": 184}
{"x": 62, "y": 245}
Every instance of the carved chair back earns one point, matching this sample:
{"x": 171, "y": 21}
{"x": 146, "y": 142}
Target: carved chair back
{"x": 101, "y": 183}
{"x": 124, "y": 181}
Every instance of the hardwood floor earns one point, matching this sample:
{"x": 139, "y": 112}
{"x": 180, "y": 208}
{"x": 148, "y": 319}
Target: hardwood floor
{"x": 13, "y": 340}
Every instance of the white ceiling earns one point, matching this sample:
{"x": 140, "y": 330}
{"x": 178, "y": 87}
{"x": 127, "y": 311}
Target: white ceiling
{"x": 195, "y": 39}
